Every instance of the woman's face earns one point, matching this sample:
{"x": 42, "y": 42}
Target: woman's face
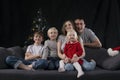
{"x": 68, "y": 26}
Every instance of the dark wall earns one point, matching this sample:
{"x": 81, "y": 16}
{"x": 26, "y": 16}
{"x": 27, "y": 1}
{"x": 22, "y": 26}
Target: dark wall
{"x": 102, "y": 16}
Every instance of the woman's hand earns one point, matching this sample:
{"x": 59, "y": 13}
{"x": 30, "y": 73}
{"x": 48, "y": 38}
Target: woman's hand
{"x": 63, "y": 56}
{"x": 75, "y": 58}
{"x": 67, "y": 60}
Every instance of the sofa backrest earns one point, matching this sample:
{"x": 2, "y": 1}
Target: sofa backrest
{"x": 17, "y": 51}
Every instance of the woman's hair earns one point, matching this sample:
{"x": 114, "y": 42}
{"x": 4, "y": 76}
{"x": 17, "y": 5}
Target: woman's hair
{"x": 63, "y": 27}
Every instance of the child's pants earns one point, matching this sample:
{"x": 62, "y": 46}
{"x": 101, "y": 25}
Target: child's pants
{"x": 14, "y": 62}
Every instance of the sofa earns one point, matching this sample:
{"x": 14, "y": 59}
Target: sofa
{"x": 108, "y": 68}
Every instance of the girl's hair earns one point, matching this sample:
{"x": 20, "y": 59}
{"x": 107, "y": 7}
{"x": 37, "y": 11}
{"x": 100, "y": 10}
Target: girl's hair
{"x": 63, "y": 27}
{"x": 52, "y": 28}
{"x": 74, "y": 32}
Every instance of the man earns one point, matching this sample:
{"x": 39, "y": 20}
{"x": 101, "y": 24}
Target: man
{"x": 88, "y": 36}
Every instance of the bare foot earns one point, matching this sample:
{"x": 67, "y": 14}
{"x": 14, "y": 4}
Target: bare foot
{"x": 92, "y": 60}
{"x": 30, "y": 66}
{"x": 27, "y": 68}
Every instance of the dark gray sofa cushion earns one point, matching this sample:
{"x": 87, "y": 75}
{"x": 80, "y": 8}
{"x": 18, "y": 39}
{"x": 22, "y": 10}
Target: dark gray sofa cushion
{"x": 98, "y": 54}
{"x": 97, "y": 74}
{"x": 102, "y": 58}
{"x": 17, "y": 51}
{"x": 3, "y": 54}
{"x": 112, "y": 63}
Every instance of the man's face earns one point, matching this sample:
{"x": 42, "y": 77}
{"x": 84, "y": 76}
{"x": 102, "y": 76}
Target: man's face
{"x": 80, "y": 25}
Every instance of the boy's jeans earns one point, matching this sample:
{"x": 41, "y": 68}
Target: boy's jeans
{"x": 36, "y": 63}
{"x": 53, "y": 63}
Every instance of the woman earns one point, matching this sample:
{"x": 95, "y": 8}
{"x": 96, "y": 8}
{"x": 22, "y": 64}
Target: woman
{"x": 68, "y": 25}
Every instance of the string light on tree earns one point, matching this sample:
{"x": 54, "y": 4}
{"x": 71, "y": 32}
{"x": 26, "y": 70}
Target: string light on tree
{"x": 39, "y": 23}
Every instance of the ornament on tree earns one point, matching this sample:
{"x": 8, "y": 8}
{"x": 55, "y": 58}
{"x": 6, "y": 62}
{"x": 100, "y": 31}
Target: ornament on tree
{"x": 39, "y": 23}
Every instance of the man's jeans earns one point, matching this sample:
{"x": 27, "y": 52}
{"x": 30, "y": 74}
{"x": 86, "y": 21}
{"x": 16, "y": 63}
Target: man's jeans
{"x": 87, "y": 66}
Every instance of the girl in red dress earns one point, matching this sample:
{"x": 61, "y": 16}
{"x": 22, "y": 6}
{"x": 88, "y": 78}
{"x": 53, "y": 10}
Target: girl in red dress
{"x": 72, "y": 50}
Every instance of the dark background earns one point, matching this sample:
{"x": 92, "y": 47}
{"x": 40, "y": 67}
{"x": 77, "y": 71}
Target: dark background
{"x": 102, "y": 16}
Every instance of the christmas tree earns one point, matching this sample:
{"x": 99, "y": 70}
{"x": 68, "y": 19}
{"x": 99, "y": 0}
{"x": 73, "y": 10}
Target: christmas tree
{"x": 39, "y": 23}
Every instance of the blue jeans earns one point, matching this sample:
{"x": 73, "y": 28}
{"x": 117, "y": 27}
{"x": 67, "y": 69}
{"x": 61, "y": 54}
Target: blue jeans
{"x": 53, "y": 63}
{"x": 69, "y": 67}
{"x": 87, "y": 66}
{"x": 36, "y": 63}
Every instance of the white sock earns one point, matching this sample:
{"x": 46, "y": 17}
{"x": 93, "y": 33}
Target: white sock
{"x": 61, "y": 66}
{"x": 115, "y": 52}
{"x": 112, "y": 52}
{"x": 79, "y": 69}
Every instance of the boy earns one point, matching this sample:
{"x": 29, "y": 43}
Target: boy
{"x": 33, "y": 55}
{"x": 51, "y": 49}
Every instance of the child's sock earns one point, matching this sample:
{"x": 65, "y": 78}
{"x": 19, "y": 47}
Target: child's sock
{"x": 61, "y": 66}
{"x": 112, "y": 52}
{"x": 79, "y": 69}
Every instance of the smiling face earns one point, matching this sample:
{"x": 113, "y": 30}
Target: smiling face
{"x": 72, "y": 36}
{"x": 52, "y": 33}
{"x": 68, "y": 25}
{"x": 80, "y": 25}
{"x": 38, "y": 38}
